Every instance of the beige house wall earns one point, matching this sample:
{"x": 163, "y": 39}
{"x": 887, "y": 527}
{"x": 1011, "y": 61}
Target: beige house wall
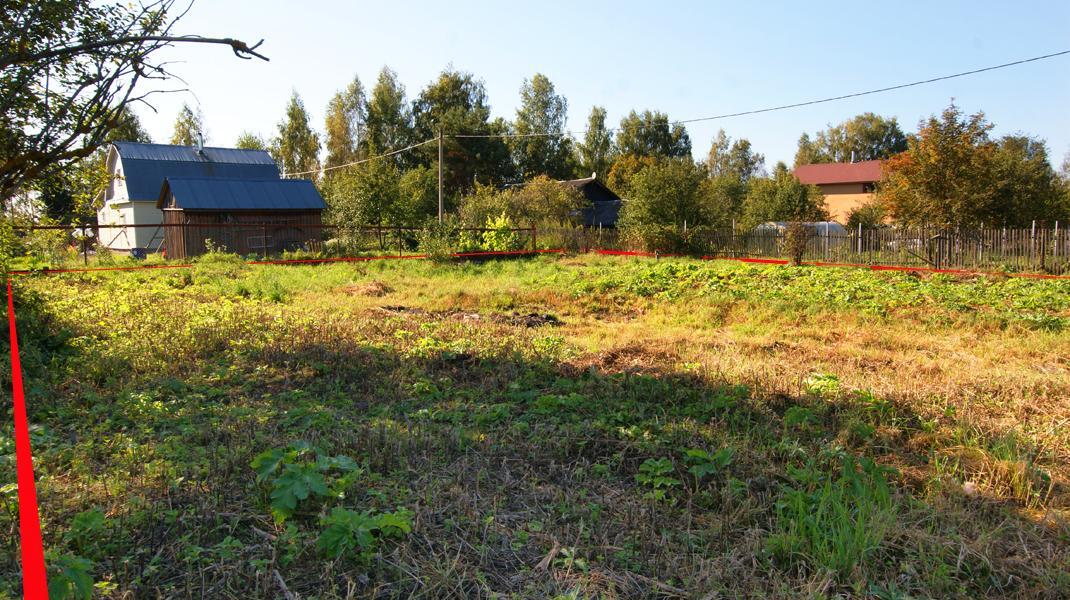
{"x": 842, "y": 198}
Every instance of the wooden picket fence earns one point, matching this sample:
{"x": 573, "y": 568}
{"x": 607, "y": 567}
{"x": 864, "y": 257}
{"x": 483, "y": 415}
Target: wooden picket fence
{"x": 1035, "y": 249}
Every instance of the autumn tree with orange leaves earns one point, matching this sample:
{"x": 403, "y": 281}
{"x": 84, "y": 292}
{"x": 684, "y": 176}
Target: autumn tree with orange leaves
{"x": 954, "y": 175}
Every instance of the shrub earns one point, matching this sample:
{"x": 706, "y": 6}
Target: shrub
{"x": 796, "y": 237}
{"x": 502, "y": 235}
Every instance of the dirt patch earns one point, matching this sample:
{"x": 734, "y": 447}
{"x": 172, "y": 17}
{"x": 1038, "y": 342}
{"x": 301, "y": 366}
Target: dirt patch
{"x": 402, "y": 310}
{"x": 516, "y": 319}
{"x": 375, "y": 289}
{"x": 630, "y": 358}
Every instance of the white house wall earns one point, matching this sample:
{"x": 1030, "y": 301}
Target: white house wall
{"x": 119, "y": 210}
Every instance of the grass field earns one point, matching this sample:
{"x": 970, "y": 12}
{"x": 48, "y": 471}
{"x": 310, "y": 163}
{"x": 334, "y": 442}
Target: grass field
{"x": 573, "y": 427}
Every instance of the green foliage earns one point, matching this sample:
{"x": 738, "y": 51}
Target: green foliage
{"x": 70, "y": 577}
{"x": 296, "y": 146}
{"x": 61, "y": 93}
{"x": 597, "y": 152}
{"x": 366, "y": 195}
{"x": 656, "y": 474}
{"x": 437, "y": 240}
{"x": 650, "y": 134}
{"x": 347, "y": 530}
{"x": 454, "y": 103}
{"x": 703, "y": 463}
{"x": 833, "y": 522}
{"x": 248, "y": 140}
{"x": 542, "y": 111}
{"x": 800, "y": 417}
{"x": 867, "y": 216}
{"x": 733, "y": 159}
{"x": 188, "y": 127}
{"x": 294, "y": 478}
{"x": 782, "y": 198}
{"x": 865, "y": 137}
{"x": 389, "y": 119}
{"x": 664, "y": 197}
{"x": 541, "y": 200}
{"x": 502, "y": 235}
{"x": 346, "y": 113}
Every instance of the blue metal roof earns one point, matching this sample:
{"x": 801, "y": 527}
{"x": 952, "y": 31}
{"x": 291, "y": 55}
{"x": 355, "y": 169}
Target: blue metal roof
{"x": 240, "y": 194}
{"x": 145, "y": 166}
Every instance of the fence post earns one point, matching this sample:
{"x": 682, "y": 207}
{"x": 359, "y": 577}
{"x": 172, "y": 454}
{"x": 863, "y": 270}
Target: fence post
{"x": 399, "y": 241}
{"x": 85, "y": 247}
{"x": 263, "y": 242}
{"x": 534, "y": 239}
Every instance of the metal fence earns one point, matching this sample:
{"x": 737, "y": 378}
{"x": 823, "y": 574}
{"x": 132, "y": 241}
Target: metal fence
{"x": 1042, "y": 250}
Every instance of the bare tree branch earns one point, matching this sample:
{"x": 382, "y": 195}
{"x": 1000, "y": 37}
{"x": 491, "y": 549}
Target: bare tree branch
{"x": 240, "y": 48}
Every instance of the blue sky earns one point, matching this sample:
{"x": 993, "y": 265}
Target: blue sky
{"x": 688, "y": 59}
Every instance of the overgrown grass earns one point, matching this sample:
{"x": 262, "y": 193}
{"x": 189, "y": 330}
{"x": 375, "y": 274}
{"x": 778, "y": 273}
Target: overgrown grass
{"x": 577, "y": 427}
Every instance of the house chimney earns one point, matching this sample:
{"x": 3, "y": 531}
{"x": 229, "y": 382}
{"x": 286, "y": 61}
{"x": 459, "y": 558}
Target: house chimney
{"x": 200, "y": 143}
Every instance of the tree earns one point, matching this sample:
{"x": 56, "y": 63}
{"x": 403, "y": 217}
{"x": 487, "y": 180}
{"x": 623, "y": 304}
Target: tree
{"x": 388, "y": 124}
{"x": 664, "y": 194}
{"x": 456, "y": 103}
{"x": 68, "y": 69}
{"x": 250, "y": 141}
{"x": 346, "y": 115}
{"x": 366, "y": 195}
{"x": 722, "y": 199}
{"x": 953, "y": 174}
{"x": 596, "y": 153}
{"x": 543, "y": 200}
{"x": 70, "y": 191}
{"x": 541, "y": 117}
{"x": 782, "y": 198}
{"x": 296, "y": 147}
{"x": 865, "y": 137}
{"x": 624, "y": 170}
{"x": 649, "y": 134}
{"x": 418, "y": 189}
{"x": 189, "y": 127}
{"x": 735, "y": 159}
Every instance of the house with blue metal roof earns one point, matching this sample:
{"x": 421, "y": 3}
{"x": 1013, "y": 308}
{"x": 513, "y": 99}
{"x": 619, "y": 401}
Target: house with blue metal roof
{"x": 138, "y": 172}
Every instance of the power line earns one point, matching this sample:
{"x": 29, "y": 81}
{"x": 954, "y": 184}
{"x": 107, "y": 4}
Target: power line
{"x": 796, "y": 104}
{"x": 699, "y": 119}
{"x": 364, "y": 160}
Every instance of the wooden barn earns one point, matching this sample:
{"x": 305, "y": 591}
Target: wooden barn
{"x": 602, "y": 204}
{"x": 244, "y": 216}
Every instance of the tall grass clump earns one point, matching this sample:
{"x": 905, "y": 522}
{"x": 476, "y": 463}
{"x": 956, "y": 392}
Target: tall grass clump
{"x": 833, "y": 522}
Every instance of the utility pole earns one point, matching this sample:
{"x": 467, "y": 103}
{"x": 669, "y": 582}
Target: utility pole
{"x": 440, "y": 175}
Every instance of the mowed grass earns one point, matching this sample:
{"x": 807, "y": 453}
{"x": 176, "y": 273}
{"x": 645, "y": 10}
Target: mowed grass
{"x": 575, "y": 427}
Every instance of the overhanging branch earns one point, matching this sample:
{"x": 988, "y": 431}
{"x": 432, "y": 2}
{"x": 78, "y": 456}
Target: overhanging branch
{"x": 240, "y": 48}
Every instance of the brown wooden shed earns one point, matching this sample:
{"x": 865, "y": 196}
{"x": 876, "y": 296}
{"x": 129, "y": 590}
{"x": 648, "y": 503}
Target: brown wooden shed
{"x": 240, "y": 215}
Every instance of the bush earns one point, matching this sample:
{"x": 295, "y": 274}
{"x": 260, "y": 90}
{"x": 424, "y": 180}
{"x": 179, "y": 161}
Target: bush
{"x": 868, "y": 216}
{"x": 437, "y": 240}
{"x": 796, "y": 237}
{"x": 502, "y": 235}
